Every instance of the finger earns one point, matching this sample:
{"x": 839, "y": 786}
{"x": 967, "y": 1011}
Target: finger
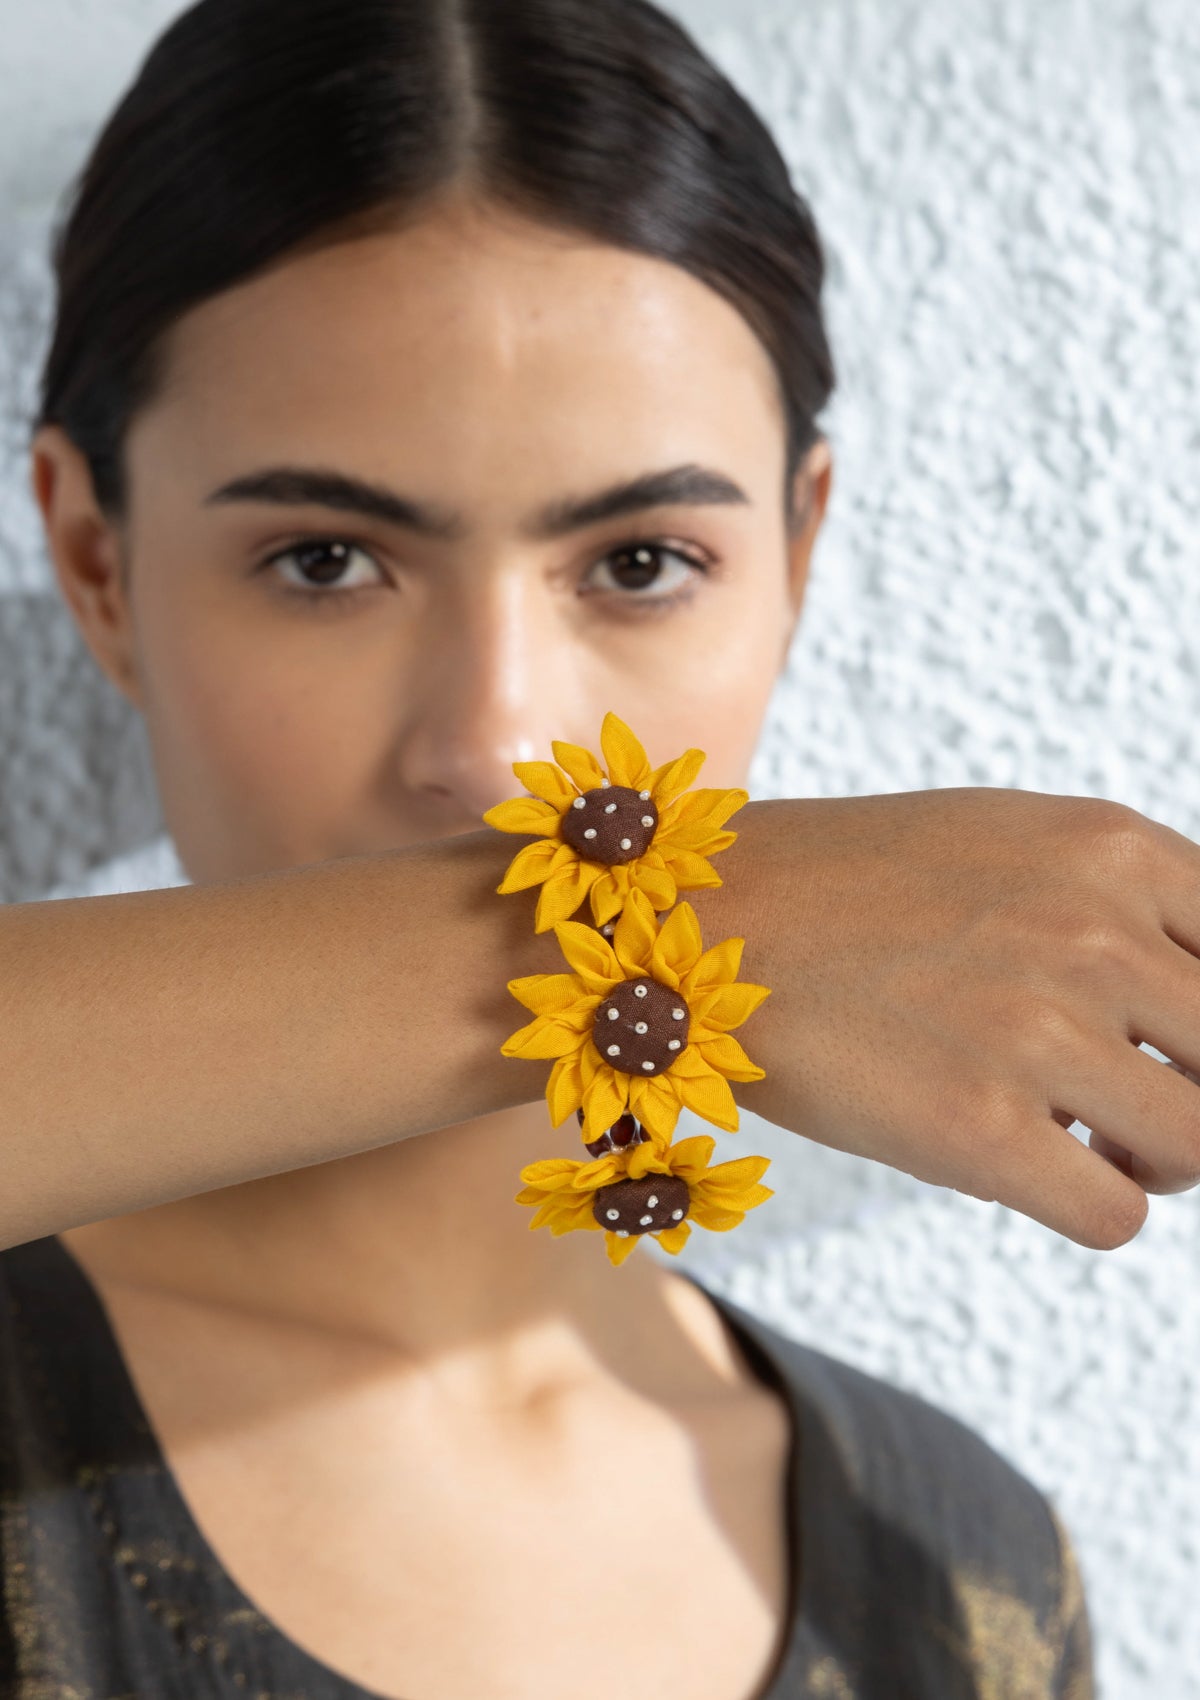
{"x": 1114, "y": 1154}
{"x": 1126, "y": 1160}
{"x": 1163, "y": 1001}
{"x": 1146, "y": 1115}
{"x": 1056, "y": 1179}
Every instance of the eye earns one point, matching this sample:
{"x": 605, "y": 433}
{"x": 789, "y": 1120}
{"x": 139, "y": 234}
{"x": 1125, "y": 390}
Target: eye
{"x": 327, "y": 559}
{"x": 637, "y": 572}
{"x": 637, "y": 566}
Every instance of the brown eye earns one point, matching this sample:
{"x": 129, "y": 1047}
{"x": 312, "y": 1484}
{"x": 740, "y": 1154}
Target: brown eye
{"x": 637, "y": 569}
{"x": 322, "y": 565}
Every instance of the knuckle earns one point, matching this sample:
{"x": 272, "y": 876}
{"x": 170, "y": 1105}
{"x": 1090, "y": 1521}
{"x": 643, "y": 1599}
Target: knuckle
{"x": 992, "y": 1106}
{"x": 1098, "y": 942}
{"x": 1029, "y": 1026}
{"x": 1046, "y": 1031}
{"x": 1114, "y": 839}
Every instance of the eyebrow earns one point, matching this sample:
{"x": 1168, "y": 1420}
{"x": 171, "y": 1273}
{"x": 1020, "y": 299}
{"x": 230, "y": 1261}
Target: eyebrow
{"x": 691, "y": 486}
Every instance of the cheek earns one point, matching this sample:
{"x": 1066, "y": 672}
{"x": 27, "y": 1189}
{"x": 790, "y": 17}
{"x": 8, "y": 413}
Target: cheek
{"x": 251, "y": 721}
{"x": 710, "y": 686}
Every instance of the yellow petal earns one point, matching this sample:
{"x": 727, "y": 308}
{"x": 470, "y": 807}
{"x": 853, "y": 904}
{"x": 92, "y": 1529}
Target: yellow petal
{"x": 551, "y": 994}
{"x": 608, "y": 895}
{"x": 706, "y": 809}
{"x": 545, "y": 781}
{"x": 542, "y": 1037}
{"x": 600, "y": 1171}
{"x": 726, "y": 1178}
{"x": 679, "y": 944}
{"x": 725, "y": 1054}
{"x": 733, "y": 1186}
{"x": 533, "y": 864}
{"x": 590, "y": 955}
{"x": 581, "y": 764}
{"x": 627, "y": 763}
{"x": 690, "y": 1157}
{"x": 719, "y": 1221}
{"x": 590, "y": 1063}
{"x": 563, "y": 892}
{"x": 674, "y": 1239}
{"x": 648, "y": 1159}
{"x": 604, "y": 1101}
{"x": 717, "y": 967}
{"x": 551, "y": 1172}
{"x": 564, "y": 1089}
{"x": 656, "y": 1103}
{"x": 524, "y": 814}
{"x": 572, "y": 1215}
{"x": 727, "y": 1006}
{"x": 658, "y": 884}
{"x": 583, "y": 1220}
{"x": 619, "y": 1250}
{"x": 675, "y": 776}
{"x": 634, "y": 936}
{"x": 709, "y": 1096}
{"x": 695, "y": 837}
{"x": 690, "y": 872}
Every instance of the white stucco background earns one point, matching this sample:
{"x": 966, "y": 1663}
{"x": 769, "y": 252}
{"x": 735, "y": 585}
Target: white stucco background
{"x": 1005, "y": 593}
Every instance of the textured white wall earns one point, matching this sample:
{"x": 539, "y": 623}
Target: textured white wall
{"x": 1005, "y": 594}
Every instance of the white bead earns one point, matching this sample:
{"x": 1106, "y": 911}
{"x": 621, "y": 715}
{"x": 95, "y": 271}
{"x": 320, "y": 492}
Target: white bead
{"x": 613, "y": 1014}
{"x": 627, "y": 844}
{"x": 674, "y": 1044}
{"x": 644, "y": 795}
{"x": 648, "y": 1065}
{"x": 579, "y": 803}
{"x": 622, "y": 1233}
{"x": 652, "y": 1201}
{"x": 610, "y": 808}
{"x": 676, "y": 1215}
{"x": 613, "y": 1215}
{"x": 678, "y": 1014}
{"x": 614, "y": 1050}
{"x": 640, "y": 1027}
{"x": 606, "y": 782}
{"x": 647, "y": 820}
{"x": 645, "y": 1221}
{"x": 639, "y": 991}
{"x": 589, "y": 832}
{"x": 607, "y": 929}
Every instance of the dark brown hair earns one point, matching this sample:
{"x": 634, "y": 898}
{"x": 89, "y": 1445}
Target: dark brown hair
{"x": 259, "y": 127}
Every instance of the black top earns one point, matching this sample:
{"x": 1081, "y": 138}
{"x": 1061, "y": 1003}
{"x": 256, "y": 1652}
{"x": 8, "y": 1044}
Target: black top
{"x": 929, "y": 1567}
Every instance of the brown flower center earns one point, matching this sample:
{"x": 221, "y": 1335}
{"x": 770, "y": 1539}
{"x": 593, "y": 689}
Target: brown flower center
{"x": 641, "y": 1027}
{"x": 612, "y": 824}
{"x": 642, "y": 1207}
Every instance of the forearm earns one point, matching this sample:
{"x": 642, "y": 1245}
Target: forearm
{"x": 158, "y": 1044}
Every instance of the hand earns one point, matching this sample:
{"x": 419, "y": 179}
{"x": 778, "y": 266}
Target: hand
{"x": 958, "y": 975}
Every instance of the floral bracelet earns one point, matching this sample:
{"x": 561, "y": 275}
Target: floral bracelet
{"x": 640, "y": 1027}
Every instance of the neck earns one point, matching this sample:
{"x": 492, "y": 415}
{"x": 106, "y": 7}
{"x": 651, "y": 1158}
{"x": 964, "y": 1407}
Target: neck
{"x": 420, "y": 1247}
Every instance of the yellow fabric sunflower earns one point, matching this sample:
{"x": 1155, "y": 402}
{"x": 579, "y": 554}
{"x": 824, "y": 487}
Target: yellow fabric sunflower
{"x": 604, "y": 835}
{"x": 642, "y": 1023}
{"x": 644, "y": 1190}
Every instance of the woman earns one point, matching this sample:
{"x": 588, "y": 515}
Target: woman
{"x": 367, "y": 308}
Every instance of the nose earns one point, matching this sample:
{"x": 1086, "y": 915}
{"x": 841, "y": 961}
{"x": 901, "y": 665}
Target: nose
{"x": 498, "y": 681}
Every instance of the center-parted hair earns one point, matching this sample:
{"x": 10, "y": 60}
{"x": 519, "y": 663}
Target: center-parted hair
{"x": 259, "y": 128}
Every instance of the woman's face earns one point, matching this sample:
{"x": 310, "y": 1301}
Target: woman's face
{"x": 363, "y": 578}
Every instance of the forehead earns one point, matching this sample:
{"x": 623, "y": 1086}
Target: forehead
{"x": 482, "y": 333}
